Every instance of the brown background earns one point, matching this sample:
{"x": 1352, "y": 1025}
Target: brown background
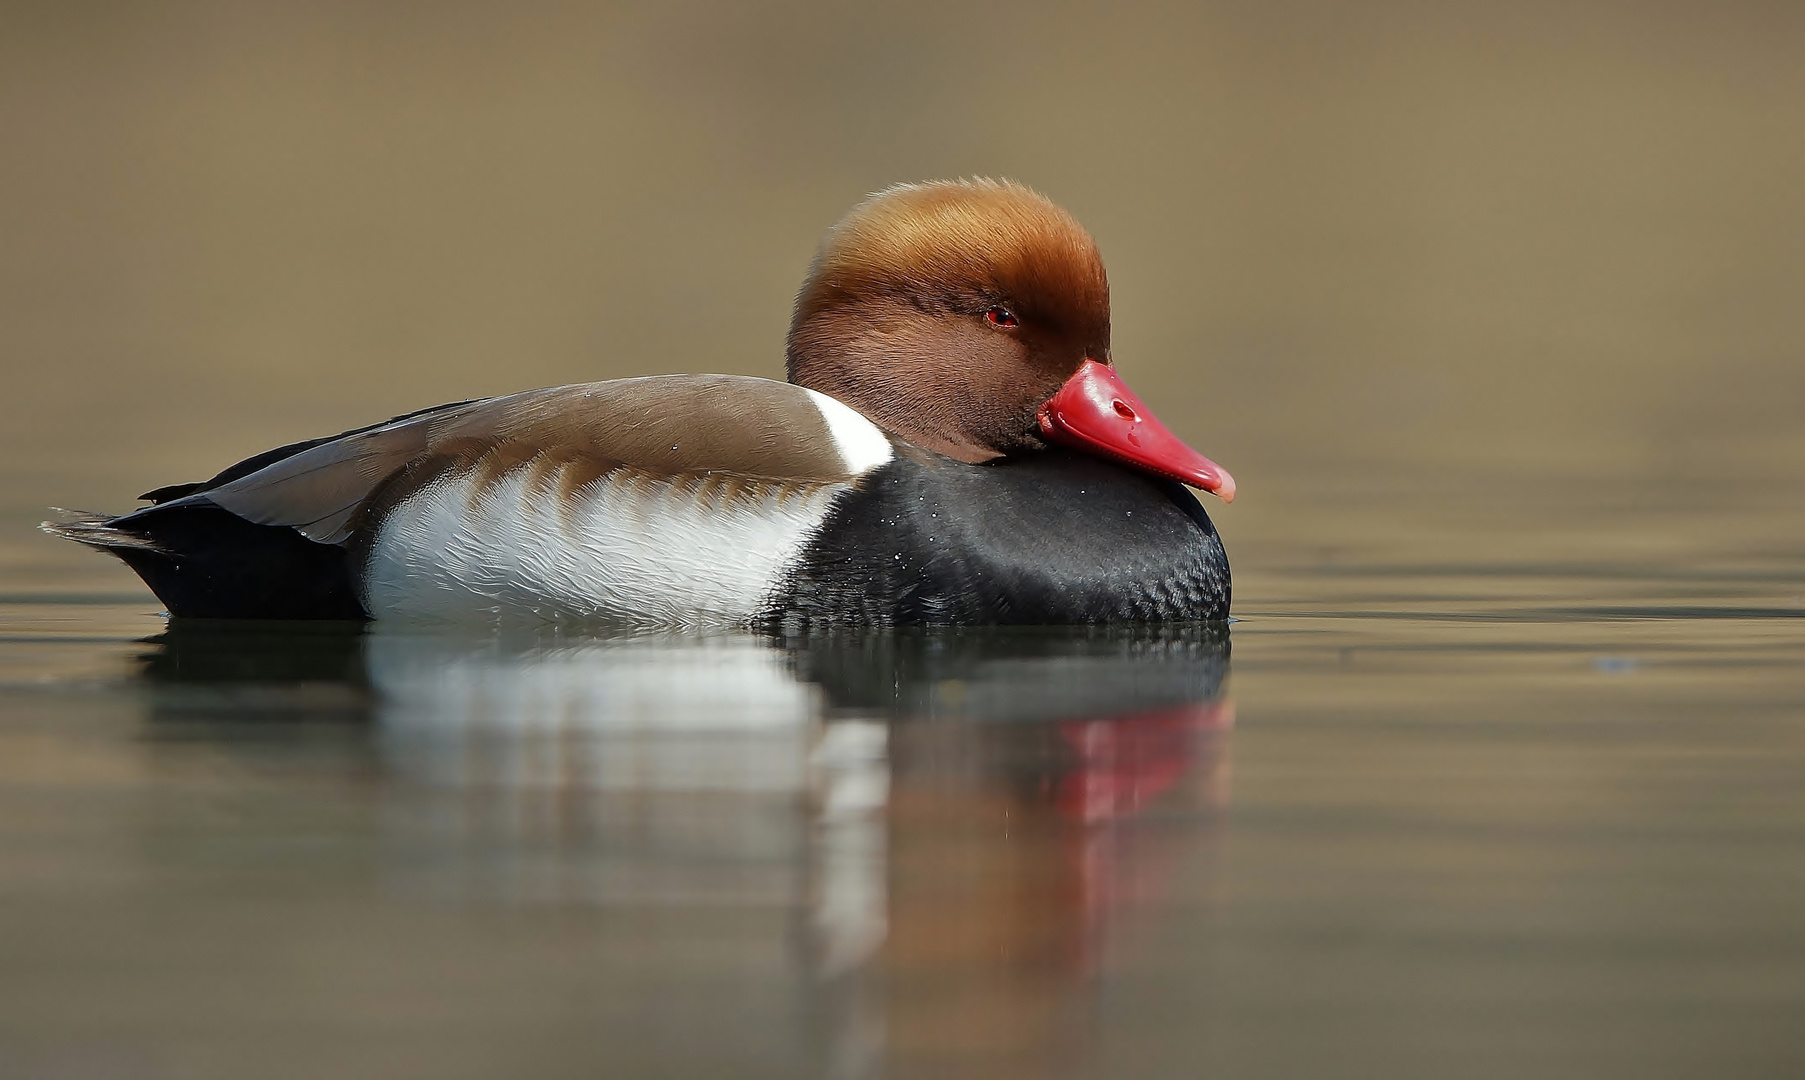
{"x": 1458, "y": 272}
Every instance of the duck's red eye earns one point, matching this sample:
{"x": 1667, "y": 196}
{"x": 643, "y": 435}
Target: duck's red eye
{"x": 1002, "y": 317}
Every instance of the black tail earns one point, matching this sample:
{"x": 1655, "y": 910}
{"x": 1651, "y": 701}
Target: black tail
{"x": 205, "y": 562}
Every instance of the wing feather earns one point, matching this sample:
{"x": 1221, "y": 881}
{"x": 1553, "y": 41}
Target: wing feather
{"x": 672, "y": 425}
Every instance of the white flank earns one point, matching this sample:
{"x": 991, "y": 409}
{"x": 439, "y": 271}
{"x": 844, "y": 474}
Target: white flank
{"x": 863, "y": 446}
{"x": 627, "y": 548}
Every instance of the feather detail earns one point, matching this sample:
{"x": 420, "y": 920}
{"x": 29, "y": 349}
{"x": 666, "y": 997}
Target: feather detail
{"x": 96, "y": 530}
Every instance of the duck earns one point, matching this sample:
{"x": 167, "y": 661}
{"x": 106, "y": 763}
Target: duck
{"x": 953, "y": 446}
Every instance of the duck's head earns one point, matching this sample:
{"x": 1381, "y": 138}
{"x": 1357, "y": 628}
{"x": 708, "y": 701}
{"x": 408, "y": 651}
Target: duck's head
{"x": 971, "y": 318}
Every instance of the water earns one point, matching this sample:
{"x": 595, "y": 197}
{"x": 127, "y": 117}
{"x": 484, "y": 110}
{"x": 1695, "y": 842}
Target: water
{"x": 1530, "y": 817}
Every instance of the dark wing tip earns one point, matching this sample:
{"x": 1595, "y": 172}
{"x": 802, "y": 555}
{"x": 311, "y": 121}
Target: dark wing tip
{"x": 96, "y": 530}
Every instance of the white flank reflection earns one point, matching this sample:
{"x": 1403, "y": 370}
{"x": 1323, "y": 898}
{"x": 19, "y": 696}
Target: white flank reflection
{"x": 680, "y": 771}
{"x": 852, "y": 773}
{"x": 715, "y": 715}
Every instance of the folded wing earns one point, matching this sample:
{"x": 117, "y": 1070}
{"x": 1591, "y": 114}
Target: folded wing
{"x": 676, "y": 425}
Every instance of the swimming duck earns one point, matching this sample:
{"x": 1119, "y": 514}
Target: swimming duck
{"x": 954, "y": 445}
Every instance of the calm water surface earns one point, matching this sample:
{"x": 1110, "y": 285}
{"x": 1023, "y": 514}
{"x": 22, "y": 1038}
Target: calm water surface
{"x": 1532, "y": 816}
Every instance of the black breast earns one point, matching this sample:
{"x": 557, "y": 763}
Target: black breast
{"x": 1051, "y": 538}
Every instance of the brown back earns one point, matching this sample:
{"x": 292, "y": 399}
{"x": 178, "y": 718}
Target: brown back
{"x": 669, "y": 425}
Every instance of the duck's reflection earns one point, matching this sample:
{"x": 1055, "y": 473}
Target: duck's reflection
{"x": 1044, "y": 787}
{"x": 959, "y": 817}
{"x": 551, "y": 713}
